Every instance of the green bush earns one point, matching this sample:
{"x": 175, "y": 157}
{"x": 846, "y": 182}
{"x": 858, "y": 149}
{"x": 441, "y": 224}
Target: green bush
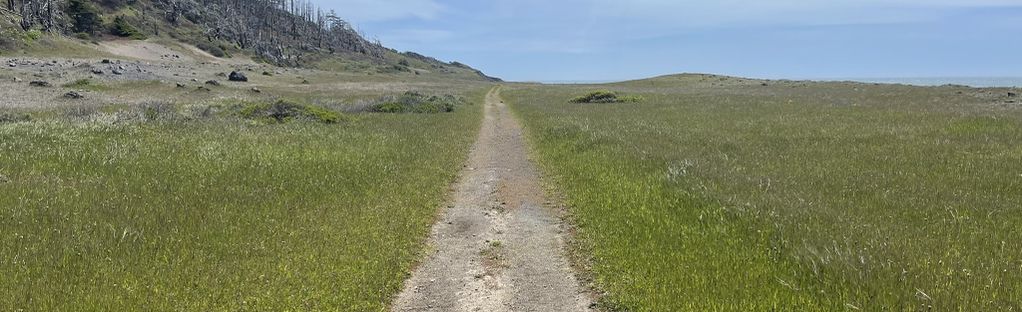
{"x": 84, "y": 16}
{"x": 212, "y": 49}
{"x": 122, "y": 28}
{"x": 392, "y": 107}
{"x": 414, "y": 102}
{"x": 604, "y": 96}
{"x": 283, "y": 111}
{"x": 33, "y": 35}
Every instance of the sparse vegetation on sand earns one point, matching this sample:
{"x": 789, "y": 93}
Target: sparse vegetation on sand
{"x": 218, "y": 214}
{"x": 727, "y": 195}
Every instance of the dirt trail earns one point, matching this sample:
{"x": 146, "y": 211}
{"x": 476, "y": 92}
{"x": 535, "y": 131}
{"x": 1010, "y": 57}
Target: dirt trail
{"x": 498, "y": 248}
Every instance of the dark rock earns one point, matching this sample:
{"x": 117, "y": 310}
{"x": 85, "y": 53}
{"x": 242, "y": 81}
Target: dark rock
{"x": 97, "y": 71}
{"x": 105, "y": 61}
{"x": 305, "y": 82}
{"x": 181, "y": 85}
{"x": 12, "y": 65}
{"x": 266, "y": 73}
{"x": 213, "y": 83}
{"x": 201, "y": 88}
{"x": 1012, "y": 94}
{"x": 764, "y": 84}
{"x": 237, "y": 76}
{"x": 39, "y": 83}
{"x": 73, "y": 95}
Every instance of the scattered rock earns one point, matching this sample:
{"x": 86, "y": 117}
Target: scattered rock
{"x": 16, "y": 79}
{"x": 237, "y": 76}
{"x": 256, "y": 90}
{"x": 765, "y": 84}
{"x": 266, "y": 73}
{"x": 105, "y": 61}
{"x": 12, "y": 65}
{"x": 201, "y": 88}
{"x": 213, "y": 83}
{"x": 221, "y": 75}
{"x": 1012, "y": 94}
{"x": 73, "y": 95}
{"x": 305, "y": 82}
{"x": 195, "y": 80}
{"x": 97, "y": 71}
{"x": 116, "y": 72}
{"x": 39, "y": 83}
{"x": 181, "y": 85}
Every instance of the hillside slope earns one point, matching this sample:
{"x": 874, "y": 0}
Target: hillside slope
{"x": 283, "y": 33}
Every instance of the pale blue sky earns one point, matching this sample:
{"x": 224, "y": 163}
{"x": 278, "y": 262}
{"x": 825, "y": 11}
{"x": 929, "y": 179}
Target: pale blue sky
{"x": 594, "y": 40}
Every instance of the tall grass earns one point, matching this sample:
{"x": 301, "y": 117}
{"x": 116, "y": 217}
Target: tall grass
{"x": 220, "y": 214}
{"x": 818, "y": 197}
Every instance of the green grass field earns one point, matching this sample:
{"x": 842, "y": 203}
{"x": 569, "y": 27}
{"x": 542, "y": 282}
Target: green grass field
{"x": 221, "y": 214}
{"x": 726, "y": 194}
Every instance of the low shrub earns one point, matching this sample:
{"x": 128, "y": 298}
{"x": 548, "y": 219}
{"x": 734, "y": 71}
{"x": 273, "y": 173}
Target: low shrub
{"x": 212, "y": 49}
{"x": 33, "y": 35}
{"x": 122, "y": 28}
{"x": 414, "y": 102}
{"x": 605, "y": 96}
{"x": 85, "y": 84}
{"x": 283, "y": 111}
{"x": 80, "y": 112}
{"x": 8, "y": 117}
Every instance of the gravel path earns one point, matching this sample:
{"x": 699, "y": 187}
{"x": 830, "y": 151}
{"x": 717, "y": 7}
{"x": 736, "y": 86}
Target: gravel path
{"x": 499, "y": 247}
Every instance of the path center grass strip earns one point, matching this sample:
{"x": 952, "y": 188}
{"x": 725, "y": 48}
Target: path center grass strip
{"x": 775, "y": 198}
{"x": 222, "y": 215}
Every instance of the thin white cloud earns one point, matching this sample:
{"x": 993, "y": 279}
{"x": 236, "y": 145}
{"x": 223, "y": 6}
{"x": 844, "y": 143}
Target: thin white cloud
{"x": 367, "y": 11}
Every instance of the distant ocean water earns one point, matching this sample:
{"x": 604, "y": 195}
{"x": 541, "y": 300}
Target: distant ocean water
{"x": 979, "y": 82}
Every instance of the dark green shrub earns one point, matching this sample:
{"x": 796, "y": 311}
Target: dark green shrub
{"x": 391, "y": 107}
{"x": 122, "y": 28}
{"x": 84, "y": 16}
{"x": 604, "y": 96}
{"x": 283, "y": 111}
{"x": 414, "y": 102}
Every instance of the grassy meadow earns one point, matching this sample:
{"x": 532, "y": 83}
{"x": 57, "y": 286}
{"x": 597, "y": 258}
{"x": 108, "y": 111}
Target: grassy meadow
{"x": 221, "y": 214}
{"x": 716, "y": 193}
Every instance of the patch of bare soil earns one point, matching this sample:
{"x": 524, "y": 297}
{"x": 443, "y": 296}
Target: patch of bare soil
{"x": 498, "y": 247}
